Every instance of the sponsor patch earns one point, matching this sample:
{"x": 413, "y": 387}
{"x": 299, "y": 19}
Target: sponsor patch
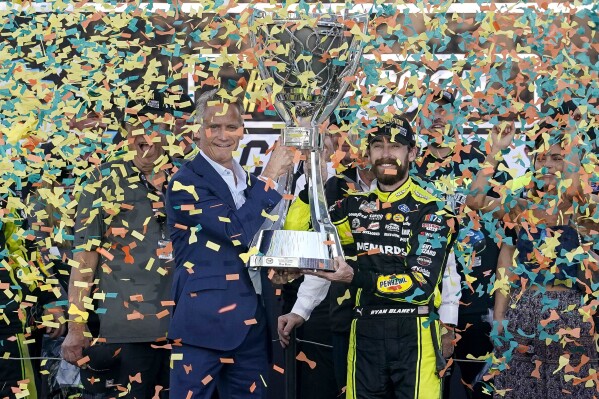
{"x": 376, "y": 216}
{"x": 388, "y": 216}
{"x": 374, "y": 226}
{"x": 427, "y": 249}
{"x": 433, "y": 218}
{"x": 419, "y": 277}
{"x": 404, "y": 208}
{"x": 392, "y": 227}
{"x": 368, "y": 207}
{"x": 398, "y": 217}
{"x": 431, "y": 227}
{"x": 355, "y": 223}
{"x": 394, "y": 284}
{"x": 336, "y": 205}
{"x": 382, "y": 249}
{"x": 424, "y": 272}
{"x": 424, "y": 261}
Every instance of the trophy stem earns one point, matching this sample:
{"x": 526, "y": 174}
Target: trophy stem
{"x": 319, "y": 212}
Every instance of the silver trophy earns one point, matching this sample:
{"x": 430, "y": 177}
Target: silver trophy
{"x": 308, "y": 60}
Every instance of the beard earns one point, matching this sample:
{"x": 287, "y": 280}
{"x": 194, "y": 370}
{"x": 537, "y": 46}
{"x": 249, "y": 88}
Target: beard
{"x": 390, "y": 179}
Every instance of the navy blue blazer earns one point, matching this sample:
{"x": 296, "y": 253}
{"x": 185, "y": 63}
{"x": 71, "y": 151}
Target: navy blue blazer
{"x": 215, "y": 301}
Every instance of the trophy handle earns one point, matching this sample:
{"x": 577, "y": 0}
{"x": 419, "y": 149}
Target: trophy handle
{"x": 319, "y": 212}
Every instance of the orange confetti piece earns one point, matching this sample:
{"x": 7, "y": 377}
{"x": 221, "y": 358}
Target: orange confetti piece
{"x": 167, "y": 303}
{"x": 278, "y": 369}
{"x": 227, "y": 360}
{"x": 136, "y": 298}
{"x": 232, "y": 277}
{"x": 128, "y": 258}
{"x": 227, "y": 308}
{"x": 301, "y": 357}
{"x": 536, "y": 373}
{"x": 251, "y": 322}
{"x": 162, "y": 314}
{"x": 105, "y": 253}
{"x": 253, "y": 387}
{"x": 188, "y": 369}
{"x": 207, "y": 379}
{"x": 135, "y": 378}
{"x": 82, "y": 361}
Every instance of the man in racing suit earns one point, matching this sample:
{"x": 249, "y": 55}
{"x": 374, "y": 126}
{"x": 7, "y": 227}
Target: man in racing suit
{"x": 402, "y": 236}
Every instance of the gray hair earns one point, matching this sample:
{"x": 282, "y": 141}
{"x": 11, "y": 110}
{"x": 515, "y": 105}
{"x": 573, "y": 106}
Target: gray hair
{"x": 211, "y": 95}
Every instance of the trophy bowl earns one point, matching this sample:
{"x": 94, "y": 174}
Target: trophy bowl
{"x": 307, "y": 61}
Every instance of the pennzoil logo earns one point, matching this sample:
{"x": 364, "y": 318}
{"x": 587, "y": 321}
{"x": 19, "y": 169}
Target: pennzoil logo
{"x": 394, "y": 284}
{"x": 397, "y": 217}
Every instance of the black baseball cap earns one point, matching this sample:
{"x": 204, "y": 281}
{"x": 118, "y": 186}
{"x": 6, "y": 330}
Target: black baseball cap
{"x": 101, "y": 372}
{"x": 160, "y": 103}
{"x": 445, "y": 95}
{"x": 397, "y": 129}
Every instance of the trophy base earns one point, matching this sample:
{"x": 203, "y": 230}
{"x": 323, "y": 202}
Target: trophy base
{"x": 275, "y": 262}
{"x": 288, "y": 249}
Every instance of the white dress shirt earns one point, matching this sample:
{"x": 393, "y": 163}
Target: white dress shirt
{"x": 237, "y": 189}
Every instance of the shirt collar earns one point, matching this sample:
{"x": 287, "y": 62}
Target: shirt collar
{"x": 361, "y": 183}
{"x": 396, "y": 195}
{"x": 240, "y": 173}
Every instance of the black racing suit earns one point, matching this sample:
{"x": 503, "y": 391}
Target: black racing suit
{"x": 402, "y": 239}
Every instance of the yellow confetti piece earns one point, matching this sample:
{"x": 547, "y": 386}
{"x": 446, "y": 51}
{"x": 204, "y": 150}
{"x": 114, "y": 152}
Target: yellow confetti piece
{"x": 138, "y": 235}
{"x": 150, "y": 264}
{"x": 274, "y": 218}
{"x": 245, "y": 257}
{"x": 213, "y": 246}
{"x": 178, "y": 186}
{"x": 224, "y": 219}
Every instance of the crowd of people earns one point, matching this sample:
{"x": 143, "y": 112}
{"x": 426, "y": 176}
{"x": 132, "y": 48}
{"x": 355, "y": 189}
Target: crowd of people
{"x": 454, "y": 264}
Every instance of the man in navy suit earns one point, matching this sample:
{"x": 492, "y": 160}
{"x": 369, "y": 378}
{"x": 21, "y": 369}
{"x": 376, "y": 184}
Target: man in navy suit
{"x": 214, "y": 209}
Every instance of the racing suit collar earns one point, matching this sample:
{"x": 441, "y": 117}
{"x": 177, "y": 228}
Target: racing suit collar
{"x": 399, "y": 193}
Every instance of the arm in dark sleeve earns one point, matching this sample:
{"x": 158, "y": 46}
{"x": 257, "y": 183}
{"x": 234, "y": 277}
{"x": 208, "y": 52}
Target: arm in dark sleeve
{"x": 199, "y": 208}
{"x": 430, "y": 242}
{"x": 89, "y": 226}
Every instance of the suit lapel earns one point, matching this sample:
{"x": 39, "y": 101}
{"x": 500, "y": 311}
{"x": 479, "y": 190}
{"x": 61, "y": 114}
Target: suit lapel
{"x": 205, "y": 171}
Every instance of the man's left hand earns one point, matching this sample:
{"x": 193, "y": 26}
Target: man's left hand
{"x": 344, "y": 273}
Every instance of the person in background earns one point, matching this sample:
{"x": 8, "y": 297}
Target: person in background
{"x": 122, "y": 248}
{"x": 29, "y": 306}
{"x": 543, "y": 284}
{"x": 446, "y": 168}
